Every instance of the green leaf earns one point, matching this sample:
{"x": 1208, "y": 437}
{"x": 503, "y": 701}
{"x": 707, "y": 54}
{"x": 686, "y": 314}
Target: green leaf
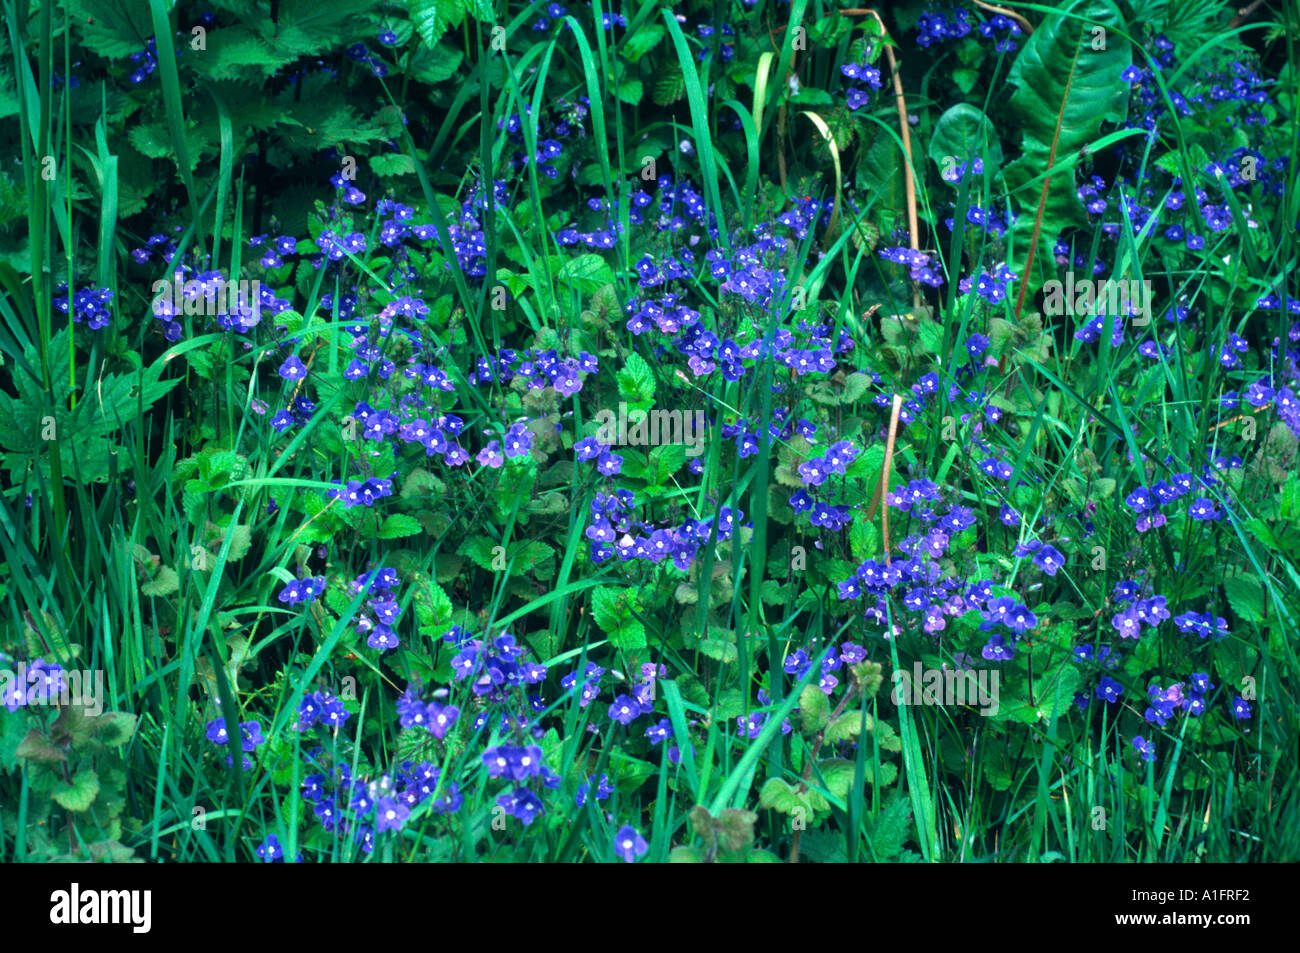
{"x": 669, "y": 85}
{"x": 636, "y": 381}
{"x": 480, "y": 551}
{"x": 80, "y": 794}
{"x": 115, "y": 727}
{"x": 1246, "y": 596}
{"x": 962, "y": 134}
{"x": 398, "y": 525}
{"x": 432, "y": 64}
{"x": 779, "y": 795}
{"x": 388, "y": 165}
{"x": 433, "y": 18}
{"x": 864, "y": 540}
{"x": 112, "y": 29}
{"x": 613, "y": 611}
{"x": 637, "y": 44}
{"x": 1063, "y": 86}
{"x": 856, "y": 386}
{"x": 37, "y": 747}
{"x": 630, "y": 91}
{"x": 630, "y": 635}
{"x": 588, "y": 273}
{"x": 814, "y": 709}
{"x": 163, "y": 584}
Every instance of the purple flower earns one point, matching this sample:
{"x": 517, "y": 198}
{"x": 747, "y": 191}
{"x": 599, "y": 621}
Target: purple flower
{"x": 390, "y": 815}
{"x": 270, "y": 849}
{"x": 629, "y": 844}
{"x": 1145, "y": 748}
{"x": 1127, "y": 624}
{"x": 293, "y": 369}
{"x": 1049, "y": 560}
{"x": 1109, "y": 690}
{"x": 624, "y": 710}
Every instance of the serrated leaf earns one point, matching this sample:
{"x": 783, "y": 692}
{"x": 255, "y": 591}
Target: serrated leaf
{"x": 636, "y": 381}
{"x": 779, "y": 795}
{"x": 1246, "y": 596}
{"x": 630, "y": 91}
{"x": 115, "y": 727}
{"x": 37, "y": 747}
{"x": 669, "y": 86}
{"x": 78, "y": 795}
{"x": 588, "y": 273}
{"x": 814, "y": 709}
{"x": 398, "y": 525}
{"x": 433, "y": 18}
{"x": 163, "y": 584}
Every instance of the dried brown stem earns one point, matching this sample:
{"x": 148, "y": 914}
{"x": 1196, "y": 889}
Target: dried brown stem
{"x": 913, "y": 228}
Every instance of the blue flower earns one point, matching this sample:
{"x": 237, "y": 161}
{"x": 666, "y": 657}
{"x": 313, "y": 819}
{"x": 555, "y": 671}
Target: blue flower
{"x": 1109, "y": 690}
{"x": 629, "y": 844}
{"x": 270, "y": 849}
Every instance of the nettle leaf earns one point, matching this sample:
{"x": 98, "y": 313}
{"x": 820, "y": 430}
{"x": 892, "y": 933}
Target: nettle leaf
{"x": 837, "y": 775}
{"x": 636, "y": 381}
{"x": 1065, "y": 89}
{"x": 398, "y": 525}
{"x": 588, "y": 273}
{"x": 846, "y": 726}
{"x": 612, "y": 609}
{"x": 1246, "y": 596}
{"x": 630, "y": 91}
{"x": 889, "y": 831}
{"x": 235, "y": 51}
{"x": 112, "y": 29}
{"x": 433, "y": 18}
{"x": 669, "y": 85}
{"x": 389, "y": 165}
{"x": 480, "y": 551}
{"x": 433, "y": 64}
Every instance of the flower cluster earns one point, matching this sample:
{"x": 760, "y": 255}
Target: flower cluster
{"x": 44, "y": 681}
{"x": 537, "y": 369}
{"x": 612, "y": 524}
{"x": 627, "y": 708}
{"x": 862, "y": 73}
{"x": 321, "y": 708}
{"x": 495, "y": 667}
{"x": 382, "y": 610}
{"x": 933, "y": 27}
{"x": 433, "y": 716}
{"x": 302, "y": 590}
{"x": 364, "y": 808}
{"x": 250, "y": 733}
{"x": 361, "y": 492}
{"x": 923, "y": 268}
{"x": 89, "y": 305}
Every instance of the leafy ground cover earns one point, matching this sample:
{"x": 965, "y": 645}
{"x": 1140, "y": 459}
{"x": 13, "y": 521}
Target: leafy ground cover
{"x": 443, "y": 430}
